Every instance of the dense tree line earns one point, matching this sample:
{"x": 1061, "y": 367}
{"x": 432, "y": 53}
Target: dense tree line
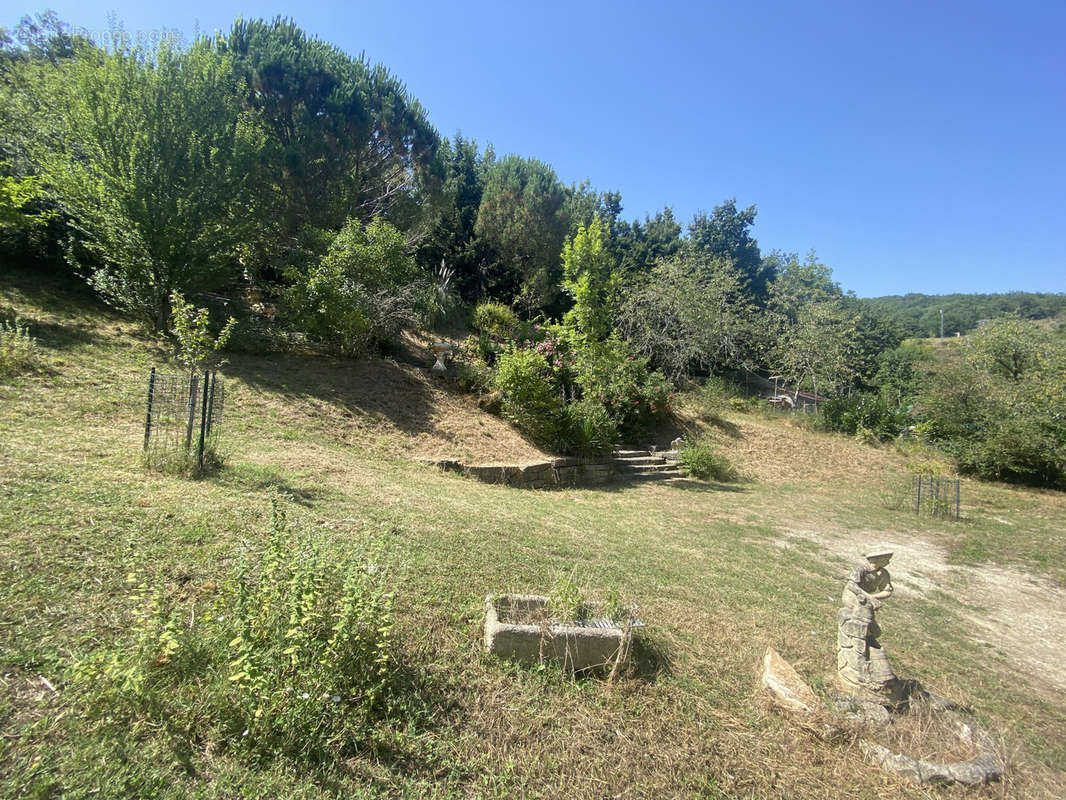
{"x": 918, "y": 315}
{"x": 311, "y": 189}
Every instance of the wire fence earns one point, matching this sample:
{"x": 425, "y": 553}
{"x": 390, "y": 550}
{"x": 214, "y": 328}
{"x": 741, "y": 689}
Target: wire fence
{"x": 184, "y": 419}
{"x": 938, "y": 497}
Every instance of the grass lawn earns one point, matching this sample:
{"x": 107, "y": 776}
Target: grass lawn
{"x": 719, "y": 572}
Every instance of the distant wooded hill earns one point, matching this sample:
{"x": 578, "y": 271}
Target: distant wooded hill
{"x": 919, "y": 314}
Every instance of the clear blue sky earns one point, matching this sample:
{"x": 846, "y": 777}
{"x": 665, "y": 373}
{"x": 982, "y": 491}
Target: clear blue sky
{"x": 916, "y": 146}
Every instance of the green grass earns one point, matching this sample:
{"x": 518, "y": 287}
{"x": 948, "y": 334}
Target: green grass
{"x": 78, "y": 513}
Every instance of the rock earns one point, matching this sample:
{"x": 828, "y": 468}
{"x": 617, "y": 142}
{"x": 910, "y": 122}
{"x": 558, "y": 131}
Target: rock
{"x": 987, "y": 766}
{"x": 787, "y": 688}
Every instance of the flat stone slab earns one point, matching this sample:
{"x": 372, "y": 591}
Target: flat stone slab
{"x": 787, "y": 689}
{"x": 987, "y": 766}
{"x": 576, "y": 647}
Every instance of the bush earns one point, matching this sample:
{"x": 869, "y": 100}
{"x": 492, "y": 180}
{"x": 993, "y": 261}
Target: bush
{"x": 609, "y": 374}
{"x": 18, "y": 349}
{"x": 717, "y": 392}
{"x": 496, "y": 320}
{"x": 591, "y": 430}
{"x": 702, "y": 461}
{"x": 471, "y": 367}
{"x": 363, "y": 292}
{"x": 531, "y": 398}
{"x": 294, "y": 658}
{"x": 1000, "y": 409}
{"x": 867, "y": 417}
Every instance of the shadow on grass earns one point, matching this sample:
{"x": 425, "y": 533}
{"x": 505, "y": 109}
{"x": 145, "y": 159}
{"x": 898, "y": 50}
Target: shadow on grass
{"x": 61, "y": 337}
{"x": 380, "y": 391}
{"x": 621, "y": 484}
{"x": 650, "y": 659}
{"x": 265, "y": 478}
{"x": 55, "y": 291}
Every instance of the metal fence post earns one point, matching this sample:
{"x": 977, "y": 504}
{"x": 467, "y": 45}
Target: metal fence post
{"x": 148, "y": 419}
{"x": 918, "y": 503}
{"x": 956, "y": 498}
{"x": 191, "y": 409}
{"x": 203, "y": 418}
{"x": 211, "y": 403}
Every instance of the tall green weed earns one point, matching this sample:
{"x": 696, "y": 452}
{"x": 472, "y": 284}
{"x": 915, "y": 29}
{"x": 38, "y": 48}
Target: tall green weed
{"x": 18, "y": 349}
{"x": 293, "y": 655}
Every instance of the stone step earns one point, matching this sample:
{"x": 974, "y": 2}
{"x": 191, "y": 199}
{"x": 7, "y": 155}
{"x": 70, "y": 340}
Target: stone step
{"x": 631, "y": 453}
{"x": 638, "y": 460}
{"x": 647, "y": 468}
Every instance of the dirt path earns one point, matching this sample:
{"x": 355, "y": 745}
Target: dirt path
{"x": 1021, "y": 615}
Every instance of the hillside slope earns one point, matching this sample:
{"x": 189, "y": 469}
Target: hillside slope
{"x": 719, "y": 572}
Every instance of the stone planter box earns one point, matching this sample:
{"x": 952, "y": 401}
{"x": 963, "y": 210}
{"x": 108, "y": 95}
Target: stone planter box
{"x": 575, "y": 646}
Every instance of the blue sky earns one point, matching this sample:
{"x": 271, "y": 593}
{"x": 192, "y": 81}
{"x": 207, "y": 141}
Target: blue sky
{"x": 916, "y": 146}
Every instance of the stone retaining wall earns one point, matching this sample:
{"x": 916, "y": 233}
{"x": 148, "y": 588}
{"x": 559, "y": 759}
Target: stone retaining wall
{"x": 541, "y": 475}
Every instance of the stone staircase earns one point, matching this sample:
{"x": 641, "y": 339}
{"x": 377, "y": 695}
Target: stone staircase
{"x": 646, "y": 465}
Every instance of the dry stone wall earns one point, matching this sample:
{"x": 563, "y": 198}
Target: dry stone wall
{"x": 540, "y": 475}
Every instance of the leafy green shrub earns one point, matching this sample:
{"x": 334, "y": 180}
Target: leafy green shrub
{"x": 865, "y": 436}
{"x": 608, "y": 373}
{"x": 702, "y": 461}
{"x": 998, "y": 407}
{"x": 363, "y": 292}
{"x": 18, "y": 349}
{"x": 867, "y": 413}
{"x": 496, "y": 319}
{"x": 717, "y": 392}
{"x": 567, "y": 601}
{"x": 197, "y": 349}
{"x": 592, "y": 431}
{"x": 471, "y": 367}
{"x": 294, "y": 657}
{"x": 531, "y": 398}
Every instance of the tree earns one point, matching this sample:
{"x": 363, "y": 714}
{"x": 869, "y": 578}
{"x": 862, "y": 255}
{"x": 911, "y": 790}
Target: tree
{"x": 345, "y": 139}
{"x": 725, "y": 234}
{"x": 584, "y": 204}
{"x": 998, "y": 405}
{"x": 42, "y": 38}
{"x": 588, "y": 278}
{"x": 522, "y": 219}
{"x": 897, "y": 374}
{"x": 452, "y": 240}
{"x": 15, "y": 196}
{"x": 689, "y": 315}
{"x": 797, "y": 284}
{"x": 197, "y": 348}
{"x": 150, "y": 162}
{"x": 1009, "y": 347}
{"x": 817, "y": 349}
{"x": 641, "y": 245}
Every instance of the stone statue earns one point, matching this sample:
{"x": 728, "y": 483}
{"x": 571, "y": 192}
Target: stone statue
{"x": 862, "y": 665}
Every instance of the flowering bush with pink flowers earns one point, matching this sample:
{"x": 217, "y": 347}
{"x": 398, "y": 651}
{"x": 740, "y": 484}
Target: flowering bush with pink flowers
{"x": 635, "y": 398}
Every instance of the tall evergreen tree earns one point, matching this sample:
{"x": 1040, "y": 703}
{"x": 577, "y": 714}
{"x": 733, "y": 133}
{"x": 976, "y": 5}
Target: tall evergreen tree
{"x": 346, "y": 140}
{"x": 725, "y": 233}
{"x": 523, "y": 219}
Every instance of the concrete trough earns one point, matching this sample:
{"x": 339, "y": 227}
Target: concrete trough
{"x": 576, "y": 647}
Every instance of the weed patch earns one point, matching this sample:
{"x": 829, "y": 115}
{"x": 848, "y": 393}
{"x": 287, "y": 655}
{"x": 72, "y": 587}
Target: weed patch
{"x": 292, "y": 656}
{"x": 18, "y": 349}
